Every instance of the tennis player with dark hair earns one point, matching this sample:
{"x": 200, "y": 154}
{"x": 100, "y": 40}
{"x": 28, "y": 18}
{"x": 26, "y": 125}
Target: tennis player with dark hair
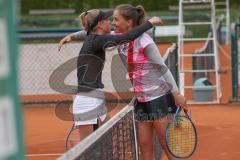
{"x": 155, "y": 89}
{"x": 90, "y": 64}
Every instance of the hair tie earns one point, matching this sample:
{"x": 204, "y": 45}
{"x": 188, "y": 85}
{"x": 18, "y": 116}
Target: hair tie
{"x": 86, "y": 13}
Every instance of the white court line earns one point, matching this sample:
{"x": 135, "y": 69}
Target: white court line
{"x": 38, "y": 155}
{"x": 58, "y": 154}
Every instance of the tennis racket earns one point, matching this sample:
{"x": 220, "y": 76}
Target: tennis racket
{"x": 72, "y": 138}
{"x": 181, "y": 135}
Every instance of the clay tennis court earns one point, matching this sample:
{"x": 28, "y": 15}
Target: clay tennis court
{"x": 218, "y": 125}
{"x": 218, "y": 130}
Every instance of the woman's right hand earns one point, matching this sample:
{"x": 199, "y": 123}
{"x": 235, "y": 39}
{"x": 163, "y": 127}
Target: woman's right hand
{"x": 180, "y": 100}
{"x": 156, "y": 21}
{"x": 63, "y": 41}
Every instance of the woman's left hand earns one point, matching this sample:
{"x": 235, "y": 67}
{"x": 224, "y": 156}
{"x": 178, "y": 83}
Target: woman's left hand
{"x": 156, "y": 21}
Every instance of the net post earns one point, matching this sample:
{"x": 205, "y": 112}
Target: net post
{"x": 135, "y": 134}
{"x": 134, "y": 127}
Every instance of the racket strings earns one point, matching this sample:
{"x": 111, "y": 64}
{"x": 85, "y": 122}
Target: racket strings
{"x": 181, "y": 137}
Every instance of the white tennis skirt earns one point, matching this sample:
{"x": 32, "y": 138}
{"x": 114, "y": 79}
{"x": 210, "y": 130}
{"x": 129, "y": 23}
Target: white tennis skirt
{"x": 89, "y": 107}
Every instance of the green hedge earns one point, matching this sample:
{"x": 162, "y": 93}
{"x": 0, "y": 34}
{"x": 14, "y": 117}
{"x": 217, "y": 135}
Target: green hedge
{"x": 83, "y": 5}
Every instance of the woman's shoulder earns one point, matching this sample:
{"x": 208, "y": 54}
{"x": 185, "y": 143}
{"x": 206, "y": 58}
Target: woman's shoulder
{"x": 145, "y": 39}
{"x": 146, "y": 36}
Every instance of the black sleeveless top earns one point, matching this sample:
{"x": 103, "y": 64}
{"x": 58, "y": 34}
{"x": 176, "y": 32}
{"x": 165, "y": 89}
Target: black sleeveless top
{"x": 92, "y": 56}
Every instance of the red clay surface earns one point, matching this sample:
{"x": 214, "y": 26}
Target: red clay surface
{"x": 218, "y": 132}
{"x": 45, "y": 132}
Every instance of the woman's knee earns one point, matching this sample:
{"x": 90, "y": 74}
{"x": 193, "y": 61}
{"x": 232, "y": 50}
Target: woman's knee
{"x": 145, "y": 146}
{"x": 145, "y": 136}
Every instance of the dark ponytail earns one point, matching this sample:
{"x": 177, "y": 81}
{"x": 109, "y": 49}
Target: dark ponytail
{"x": 141, "y": 13}
{"x": 136, "y": 14}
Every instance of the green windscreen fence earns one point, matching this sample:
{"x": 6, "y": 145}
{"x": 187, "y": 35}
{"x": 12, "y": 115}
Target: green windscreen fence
{"x": 11, "y": 138}
{"x": 235, "y": 42}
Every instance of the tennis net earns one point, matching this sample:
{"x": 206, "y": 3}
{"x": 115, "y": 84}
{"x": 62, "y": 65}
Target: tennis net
{"x": 114, "y": 140}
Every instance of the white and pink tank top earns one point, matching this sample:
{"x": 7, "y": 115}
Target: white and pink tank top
{"x": 148, "y": 82}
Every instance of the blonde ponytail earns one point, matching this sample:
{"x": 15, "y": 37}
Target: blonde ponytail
{"x": 87, "y": 18}
{"x": 83, "y": 20}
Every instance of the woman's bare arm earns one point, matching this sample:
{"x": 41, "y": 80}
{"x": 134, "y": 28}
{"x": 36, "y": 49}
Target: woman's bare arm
{"x": 80, "y": 35}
